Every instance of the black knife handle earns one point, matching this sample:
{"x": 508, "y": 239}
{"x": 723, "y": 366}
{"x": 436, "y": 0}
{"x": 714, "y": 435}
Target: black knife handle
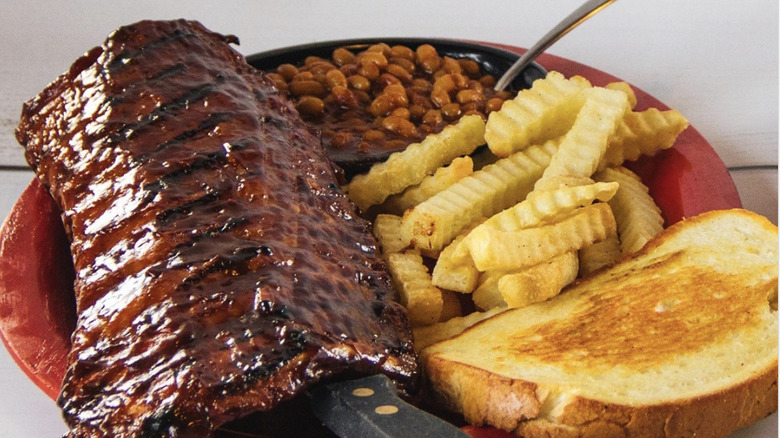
{"x": 370, "y": 407}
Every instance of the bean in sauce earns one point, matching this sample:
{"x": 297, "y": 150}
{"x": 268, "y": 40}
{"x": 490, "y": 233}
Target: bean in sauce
{"x": 379, "y": 100}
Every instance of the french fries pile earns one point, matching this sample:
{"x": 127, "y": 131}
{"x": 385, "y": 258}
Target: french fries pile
{"x": 547, "y": 201}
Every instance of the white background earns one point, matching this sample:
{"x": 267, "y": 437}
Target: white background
{"x": 714, "y": 61}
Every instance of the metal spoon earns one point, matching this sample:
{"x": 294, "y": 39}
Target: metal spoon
{"x": 587, "y": 10}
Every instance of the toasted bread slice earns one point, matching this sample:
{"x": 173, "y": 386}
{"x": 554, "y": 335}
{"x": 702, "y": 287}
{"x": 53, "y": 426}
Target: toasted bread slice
{"x": 678, "y": 339}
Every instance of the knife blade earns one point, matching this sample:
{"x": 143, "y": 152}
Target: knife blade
{"x": 370, "y": 407}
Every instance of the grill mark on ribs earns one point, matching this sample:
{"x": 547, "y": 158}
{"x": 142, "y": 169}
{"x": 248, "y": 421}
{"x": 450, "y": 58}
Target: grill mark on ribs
{"x": 220, "y": 269}
{"x": 168, "y": 109}
{"x": 124, "y": 57}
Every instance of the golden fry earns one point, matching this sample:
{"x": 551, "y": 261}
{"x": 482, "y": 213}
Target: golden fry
{"x": 541, "y": 205}
{"x": 584, "y": 146}
{"x": 541, "y": 113}
{"x": 561, "y": 182}
{"x": 411, "y": 280}
{"x": 599, "y": 255}
{"x": 387, "y": 230}
{"x": 643, "y": 133}
{"x": 455, "y": 274}
{"x": 539, "y": 282}
{"x": 508, "y": 250}
{"x": 410, "y": 166}
{"x": 546, "y": 205}
{"x": 638, "y": 217}
{"x": 434, "y": 223}
{"x": 626, "y": 88}
{"x": 444, "y": 177}
{"x": 487, "y": 296}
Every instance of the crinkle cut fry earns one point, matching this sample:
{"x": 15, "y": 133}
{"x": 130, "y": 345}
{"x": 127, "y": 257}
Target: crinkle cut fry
{"x": 434, "y": 223}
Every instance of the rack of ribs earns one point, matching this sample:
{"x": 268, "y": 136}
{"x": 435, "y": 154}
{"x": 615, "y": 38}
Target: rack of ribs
{"x": 220, "y": 270}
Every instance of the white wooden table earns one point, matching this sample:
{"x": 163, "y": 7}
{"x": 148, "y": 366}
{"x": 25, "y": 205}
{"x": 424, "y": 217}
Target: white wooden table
{"x": 716, "y": 62}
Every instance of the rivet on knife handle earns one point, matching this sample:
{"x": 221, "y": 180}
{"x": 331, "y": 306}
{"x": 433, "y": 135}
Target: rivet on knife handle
{"x": 370, "y": 407}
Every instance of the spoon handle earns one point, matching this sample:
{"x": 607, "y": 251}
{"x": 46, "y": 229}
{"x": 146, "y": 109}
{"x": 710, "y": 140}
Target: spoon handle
{"x": 587, "y": 10}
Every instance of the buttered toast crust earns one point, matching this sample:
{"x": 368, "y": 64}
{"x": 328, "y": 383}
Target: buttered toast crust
{"x": 676, "y": 339}
{"x": 519, "y": 406}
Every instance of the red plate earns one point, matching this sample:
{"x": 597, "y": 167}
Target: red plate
{"x": 37, "y": 310}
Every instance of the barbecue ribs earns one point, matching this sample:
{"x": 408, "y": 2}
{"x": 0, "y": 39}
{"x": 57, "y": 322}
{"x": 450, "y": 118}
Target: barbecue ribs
{"x": 219, "y": 267}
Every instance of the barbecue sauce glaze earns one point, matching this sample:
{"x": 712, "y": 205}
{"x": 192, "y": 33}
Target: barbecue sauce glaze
{"x": 219, "y": 268}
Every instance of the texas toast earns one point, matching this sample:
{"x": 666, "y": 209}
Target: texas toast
{"x": 677, "y": 339}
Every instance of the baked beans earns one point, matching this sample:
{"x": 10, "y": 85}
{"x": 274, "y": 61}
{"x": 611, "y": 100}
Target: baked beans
{"x": 379, "y": 100}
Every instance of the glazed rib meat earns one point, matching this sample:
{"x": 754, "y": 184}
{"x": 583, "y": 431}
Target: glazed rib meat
{"x": 219, "y": 267}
